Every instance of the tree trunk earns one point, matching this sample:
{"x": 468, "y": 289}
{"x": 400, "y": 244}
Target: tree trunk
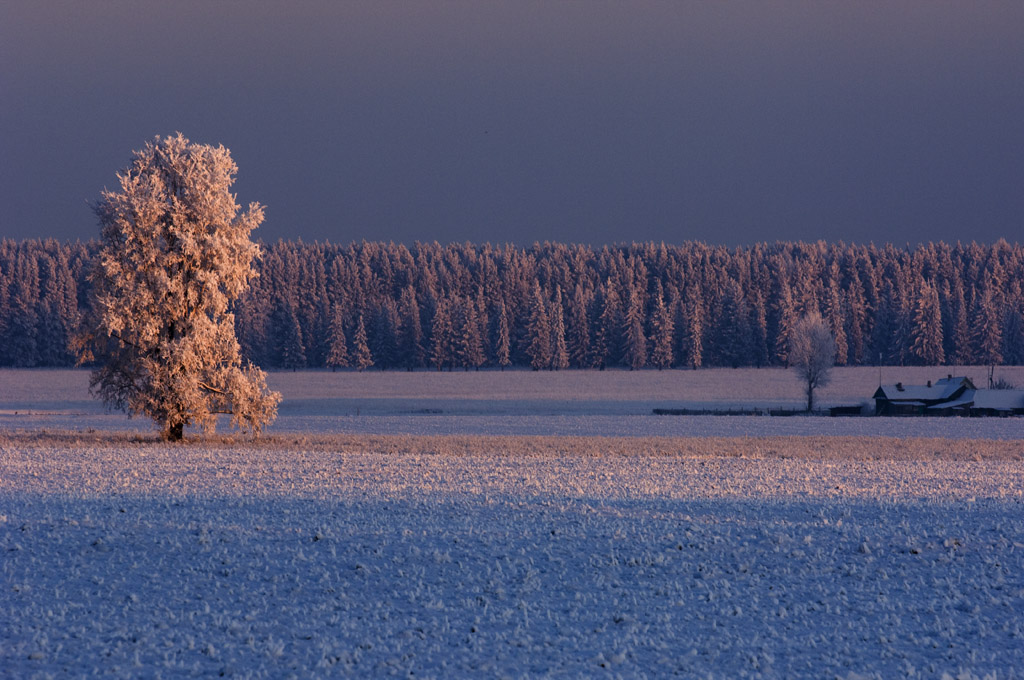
{"x": 175, "y": 432}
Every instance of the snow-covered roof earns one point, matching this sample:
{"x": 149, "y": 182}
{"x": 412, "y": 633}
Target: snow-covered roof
{"x": 1000, "y": 400}
{"x": 937, "y": 391}
{"x": 965, "y": 401}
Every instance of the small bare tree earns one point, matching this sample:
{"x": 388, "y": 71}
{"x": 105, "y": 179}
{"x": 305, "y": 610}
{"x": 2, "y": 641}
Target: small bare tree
{"x": 175, "y": 253}
{"x": 812, "y": 352}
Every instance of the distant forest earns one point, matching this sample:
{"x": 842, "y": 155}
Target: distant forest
{"x": 556, "y": 306}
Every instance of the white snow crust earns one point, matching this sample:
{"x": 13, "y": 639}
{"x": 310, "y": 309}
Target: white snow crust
{"x": 326, "y": 550}
{"x": 457, "y": 557}
{"x": 562, "y": 403}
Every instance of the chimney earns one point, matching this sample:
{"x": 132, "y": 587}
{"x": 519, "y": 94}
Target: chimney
{"x": 949, "y": 376}
{"x": 899, "y": 386}
{"x": 929, "y": 383}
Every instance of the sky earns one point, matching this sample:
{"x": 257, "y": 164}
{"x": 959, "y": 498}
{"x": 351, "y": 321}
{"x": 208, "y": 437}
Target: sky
{"x": 586, "y": 122}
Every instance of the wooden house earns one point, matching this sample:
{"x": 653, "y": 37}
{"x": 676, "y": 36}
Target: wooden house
{"x": 915, "y": 400}
{"x": 951, "y": 396}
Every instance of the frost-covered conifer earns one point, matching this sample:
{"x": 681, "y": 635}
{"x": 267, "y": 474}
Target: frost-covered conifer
{"x": 693, "y": 338}
{"x": 731, "y": 332}
{"x": 290, "y": 350}
{"x": 470, "y": 344}
{"x": 361, "y": 356}
{"x": 963, "y": 352}
{"x": 337, "y": 348}
{"x": 662, "y": 328}
{"x": 785, "y": 319}
{"x": 926, "y": 334}
{"x": 578, "y": 331}
{"x": 410, "y": 335}
{"x": 539, "y": 331}
{"x": 441, "y": 335}
{"x": 608, "y": 340}
{"x": 987, "y": 325}
{"x": 758, "y": 325}
{"x": 501, "y": 341}
{"x": 855, "y": 320}
{"x": 834, "y": 318}
{"x": 175, "y": 254}
{"x": 559, "y": 351}
{"x": 21, "y": 343}
{"x": 635, "y": 350}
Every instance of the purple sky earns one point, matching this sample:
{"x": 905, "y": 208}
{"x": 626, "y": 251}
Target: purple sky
{"x": 594, "y": 122}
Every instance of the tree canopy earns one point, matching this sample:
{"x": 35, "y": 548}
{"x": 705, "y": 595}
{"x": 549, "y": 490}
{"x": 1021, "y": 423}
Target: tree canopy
{"x": 812, "y": 352}
{"x": 175, "y": 253}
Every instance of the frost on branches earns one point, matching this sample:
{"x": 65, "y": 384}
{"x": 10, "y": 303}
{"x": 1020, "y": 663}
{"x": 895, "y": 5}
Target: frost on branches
{"x": 175, "y": 254}
{"x": 812, "y": 352}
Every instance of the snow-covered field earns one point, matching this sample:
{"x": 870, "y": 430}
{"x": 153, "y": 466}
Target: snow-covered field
{"x": 565, "y": 403}
{"x": 328, "y": 551}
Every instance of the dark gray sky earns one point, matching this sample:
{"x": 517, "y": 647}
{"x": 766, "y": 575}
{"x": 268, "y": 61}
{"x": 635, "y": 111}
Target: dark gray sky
{"x": 593, "y": 122}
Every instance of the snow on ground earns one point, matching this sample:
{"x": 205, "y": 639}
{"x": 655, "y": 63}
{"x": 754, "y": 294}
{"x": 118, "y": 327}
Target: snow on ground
{"x": 564, "y": 403}
{"x": 493, "y": 556}
{"x": 371, "y": 535}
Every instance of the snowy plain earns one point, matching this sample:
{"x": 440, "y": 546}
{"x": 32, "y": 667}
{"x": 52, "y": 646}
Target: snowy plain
{"x": 440, "y": 550}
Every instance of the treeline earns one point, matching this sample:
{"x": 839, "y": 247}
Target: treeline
{"x": 557, "y": 306}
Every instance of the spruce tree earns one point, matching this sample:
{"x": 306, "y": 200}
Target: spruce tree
{"x": 987, "y": 324}
{"x": 578, "y": 331}
{"x": 410, "y": 336}
{"x": 539, "y": 331}
{"x": 963, "y": 351}
{"x": 635, "y": 351}
{"x": 441, "y": 354}
{"x": 501, "y": 342}
{"x": 608, "y": 337}
{"x": 337, "y": 352}
{"x": 362, "y": 359}
{"x": 559, "y": 351}
{"x": 290, "y": 349}
{"x": 835, "y": 321}
{"x": 926, "y": 336}
{"x": 662, "y": 329}
{"x": 693, "y": 349}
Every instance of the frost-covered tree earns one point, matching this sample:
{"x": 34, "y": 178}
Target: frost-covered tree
{"x": 961, "y": 335}
{"x": 469, "y": 344}
{"x": 662, "y": 329}
{"x": 175, "y": 254}
{"x": 441, "y": 352}
{"x": 987, "y": 325}
{"x": 289, "y": 349}
{"x": 785, "y": 319}
{"x": 337, "y": 346}
{"x": 608, "y": 338}
{"x": 834, "y": 319}
{"x": 362, "y": 358}
{"x": 731, "y": 330}
{"x": 501, "y": 341}
{"x": 559, "y": 351}
{"x": 635, "y": 349}
{"x": 926, "y": 333}
{"x": 539, "y": 329}
{"x": 578, "y": 331}
{"x": 693, "y": 338}
{"x": 410, "y": 336}
{"x": 812, "y": 352}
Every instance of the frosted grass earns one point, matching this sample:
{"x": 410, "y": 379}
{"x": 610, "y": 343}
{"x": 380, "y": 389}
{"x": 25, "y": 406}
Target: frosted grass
{"x": 440, "y": 557}
{"x": 405, "y": 537}
{"x": 566, "y": 403}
